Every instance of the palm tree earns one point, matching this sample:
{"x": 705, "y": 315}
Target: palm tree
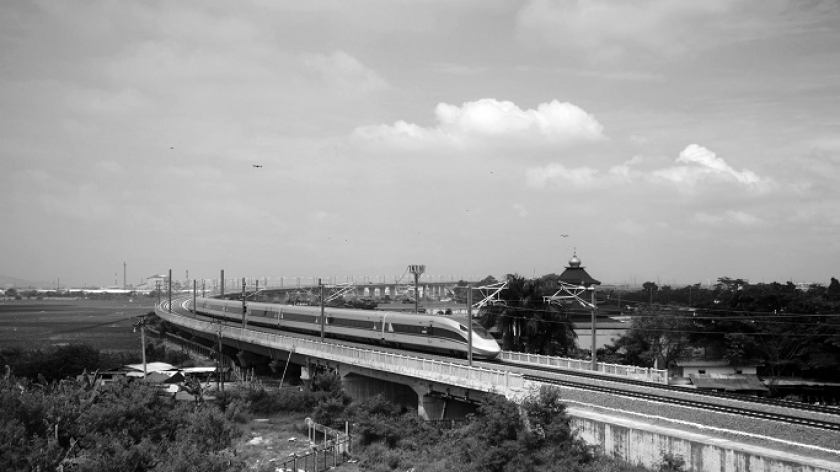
{"x": 526, "y": 321}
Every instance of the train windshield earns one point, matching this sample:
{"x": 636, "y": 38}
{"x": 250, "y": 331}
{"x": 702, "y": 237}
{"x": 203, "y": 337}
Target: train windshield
{"x": 481, "y": 332}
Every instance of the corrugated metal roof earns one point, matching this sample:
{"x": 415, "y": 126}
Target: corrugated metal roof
{"x": 729, "y": 383}
{"x": 700, "y": 362}
{"x": 152, "y": 366}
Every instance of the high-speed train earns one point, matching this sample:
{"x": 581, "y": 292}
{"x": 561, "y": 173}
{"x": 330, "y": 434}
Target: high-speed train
{"x": 440, "y": 334}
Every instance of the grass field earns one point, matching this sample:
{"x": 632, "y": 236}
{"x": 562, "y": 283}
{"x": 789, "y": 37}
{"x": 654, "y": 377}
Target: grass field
{"x": 104, "y": 324}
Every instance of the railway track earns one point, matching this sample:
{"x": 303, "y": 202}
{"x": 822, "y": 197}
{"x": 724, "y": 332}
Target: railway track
{"x": 752, "y": 413}
{"x": 726, "y": 396}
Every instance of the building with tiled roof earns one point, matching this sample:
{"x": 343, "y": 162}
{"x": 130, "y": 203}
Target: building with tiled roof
{"x": 577, "y": 275}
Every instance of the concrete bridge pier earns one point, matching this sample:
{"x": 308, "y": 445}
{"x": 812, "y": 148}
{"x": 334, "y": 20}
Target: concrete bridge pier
{"x": 249, "y": 359}
{"x": 429, "y": 407}
{"x": 361, "y": 387}
{"x": 431, "y": 402}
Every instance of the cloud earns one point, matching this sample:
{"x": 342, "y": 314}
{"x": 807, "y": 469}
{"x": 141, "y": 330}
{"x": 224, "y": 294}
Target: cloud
{"x": 472, "y": 122}
{"x": 630, "y": 227}
{"x": 624, "y": 170}
{"x": 110, "y": 166}
{"x": 611, "y": 28}
{"x": 86, "y": 202}
{"x": 583, "y": 176}
{"x": 703, "y": 164}
{"x": 728, "y": 217}
{"x": 520, "y": 210}
{"x": 345, "y": 73}
{"x": 559, "y": 174}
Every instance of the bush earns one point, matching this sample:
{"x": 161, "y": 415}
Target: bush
{"x": 80, "y": 425}
{"x": 326, "y": 400}
{"x": 670, "y": 463}
{"x": 53, "y": 364}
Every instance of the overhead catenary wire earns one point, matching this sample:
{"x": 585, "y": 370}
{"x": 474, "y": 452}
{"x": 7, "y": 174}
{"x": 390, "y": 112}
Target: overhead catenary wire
{"x": 691, "y": 312}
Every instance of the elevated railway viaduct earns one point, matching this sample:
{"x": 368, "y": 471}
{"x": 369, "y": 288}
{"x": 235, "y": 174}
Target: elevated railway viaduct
{"x": 639, "y": 431}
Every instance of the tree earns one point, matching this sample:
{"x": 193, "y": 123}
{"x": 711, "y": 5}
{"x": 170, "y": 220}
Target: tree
{"x": 650, "y": 287}
{"x": 81, "y": 425}
{"x": 656, "y": 333}
{"x": 527, "y": 322}
{"x": 833, "y": 290}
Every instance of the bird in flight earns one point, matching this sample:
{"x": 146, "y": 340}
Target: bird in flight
{"x": 564, "y": 235}
{"x": 257, "y": 166}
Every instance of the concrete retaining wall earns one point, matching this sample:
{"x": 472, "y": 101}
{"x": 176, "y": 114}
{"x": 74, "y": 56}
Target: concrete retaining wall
{"x": 643, "y": 443}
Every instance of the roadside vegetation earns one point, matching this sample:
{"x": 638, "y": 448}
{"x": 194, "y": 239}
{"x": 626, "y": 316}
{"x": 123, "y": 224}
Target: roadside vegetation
{"x": 60, "y": 362}
{"x": 787, "y": 329}
{"x": 78, "y": 423}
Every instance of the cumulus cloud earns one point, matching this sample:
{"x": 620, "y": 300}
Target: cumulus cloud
{"x": 698, "y": 166}
{"x": 703, "y": 163}
{"x": 552, "y": 122}
{"x": 624, "y": 170}
{"x": 559, "y": 174}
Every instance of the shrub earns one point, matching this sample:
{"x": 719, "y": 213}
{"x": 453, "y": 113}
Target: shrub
{"x": 670, "y": 463}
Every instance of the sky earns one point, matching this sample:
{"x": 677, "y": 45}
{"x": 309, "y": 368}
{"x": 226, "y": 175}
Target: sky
{"x": 672, "y": 141}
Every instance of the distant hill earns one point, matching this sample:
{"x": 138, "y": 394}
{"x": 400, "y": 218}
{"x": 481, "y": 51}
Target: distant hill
{"x": 9, "y": 282}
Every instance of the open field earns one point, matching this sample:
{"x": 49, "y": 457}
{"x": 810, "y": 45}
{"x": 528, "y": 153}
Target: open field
{"x": 104, "y": 324}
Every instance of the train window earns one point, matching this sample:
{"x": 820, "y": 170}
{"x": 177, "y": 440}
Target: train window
{"x": 299, "y": 318}
{"x": 402, "y": 328}
{"x": 462, "y": 327}
{"x": 363, "y": 324}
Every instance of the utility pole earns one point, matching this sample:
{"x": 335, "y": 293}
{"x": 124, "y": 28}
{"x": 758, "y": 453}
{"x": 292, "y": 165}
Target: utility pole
{"x": 220, "y": 382}
{"x": 194, "y": 296}
{"x": 157, "y": 289}
{"x": 170, "y": 290}
{"x": 142, "y": 325}
{"x": 125, "y": 285}
{"x": 594, "y": 331}
{"x": 417, "y": 270}
{"x": 243, "y": 303}
{"x": 202, "y": 289}
{"x": 223, "y": 284}
{"x": 323, "y": 319}
{"x": 469, "y": 325}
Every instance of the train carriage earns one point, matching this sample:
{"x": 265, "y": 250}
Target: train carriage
{"x": 440, "y": 334}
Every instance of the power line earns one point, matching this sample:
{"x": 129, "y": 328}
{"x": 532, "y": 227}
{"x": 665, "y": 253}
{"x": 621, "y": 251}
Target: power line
{"x": 566, "y": 322}
{"x": 748, "y": 316}
{"x": 77, "y": 329}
